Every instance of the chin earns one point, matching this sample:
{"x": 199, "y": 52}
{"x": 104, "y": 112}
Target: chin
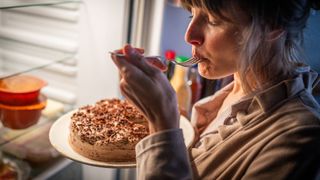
{"x": 209, "y": 76}
{"x": 208, "y": 71}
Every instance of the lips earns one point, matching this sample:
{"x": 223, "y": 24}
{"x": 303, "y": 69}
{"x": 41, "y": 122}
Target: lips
{"x": 196, "y": 52}
{"x": 198, "y": 55}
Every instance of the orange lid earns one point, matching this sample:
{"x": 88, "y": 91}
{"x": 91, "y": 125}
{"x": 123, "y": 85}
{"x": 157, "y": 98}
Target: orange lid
{"x": 41, "y": 104}
{"x": 21, "y": 84}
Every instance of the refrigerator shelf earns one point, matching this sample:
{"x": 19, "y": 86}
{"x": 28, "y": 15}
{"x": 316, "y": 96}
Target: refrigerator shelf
{"x": 15, "y": 59}
{"x": 8, "y": 4}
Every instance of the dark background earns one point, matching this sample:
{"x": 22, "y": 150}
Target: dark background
{"x": 312, "y": 41}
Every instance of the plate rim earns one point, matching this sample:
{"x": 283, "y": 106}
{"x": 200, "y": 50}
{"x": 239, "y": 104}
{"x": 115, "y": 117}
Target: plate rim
{"x": 66, "y": 117}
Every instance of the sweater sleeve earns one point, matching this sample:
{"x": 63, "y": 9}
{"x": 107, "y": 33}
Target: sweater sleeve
{"x": 163, "y": 156}
{"x": 295, "y": 154}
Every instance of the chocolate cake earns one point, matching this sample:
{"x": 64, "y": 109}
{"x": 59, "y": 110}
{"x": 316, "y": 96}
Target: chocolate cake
{"x": 107, "y": 131}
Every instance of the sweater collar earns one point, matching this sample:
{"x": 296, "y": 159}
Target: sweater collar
{"x": 271, "y": 98}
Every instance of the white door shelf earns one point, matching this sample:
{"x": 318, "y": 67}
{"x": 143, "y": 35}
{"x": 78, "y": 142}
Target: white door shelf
{"x": 7, "y": 4}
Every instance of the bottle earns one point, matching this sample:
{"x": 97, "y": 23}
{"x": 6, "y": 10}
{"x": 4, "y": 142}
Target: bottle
{"x": 170, "y": 55}
{"x": 179, "y": 82}
{"x": 195, "y": 85}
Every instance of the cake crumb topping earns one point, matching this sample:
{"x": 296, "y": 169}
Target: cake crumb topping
{"x": 109, "y": 121}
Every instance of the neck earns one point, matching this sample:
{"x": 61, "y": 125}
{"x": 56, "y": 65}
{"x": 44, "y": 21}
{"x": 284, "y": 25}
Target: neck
{"x": 235, "y": 94}
{"x": 237, "y": 90}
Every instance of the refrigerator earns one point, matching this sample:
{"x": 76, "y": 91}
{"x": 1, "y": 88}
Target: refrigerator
{"x": 66, "y": 42}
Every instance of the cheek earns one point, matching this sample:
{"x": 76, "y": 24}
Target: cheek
{"x": 217, "y": 41}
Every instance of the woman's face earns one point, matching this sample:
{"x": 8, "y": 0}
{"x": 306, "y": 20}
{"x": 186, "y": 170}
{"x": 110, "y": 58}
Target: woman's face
{"x": 215, "y": 42}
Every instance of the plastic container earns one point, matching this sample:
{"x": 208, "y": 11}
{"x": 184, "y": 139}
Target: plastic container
{"x": 21, "y": 117}
{"x": 20, "y": 90}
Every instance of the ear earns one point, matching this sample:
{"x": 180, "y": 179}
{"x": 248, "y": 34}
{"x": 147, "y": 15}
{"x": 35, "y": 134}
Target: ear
{"x": 275, "y": 34}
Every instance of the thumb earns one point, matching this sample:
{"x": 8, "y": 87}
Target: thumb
{"x": 128, "y": 50}
{"x": 137, "y": 59}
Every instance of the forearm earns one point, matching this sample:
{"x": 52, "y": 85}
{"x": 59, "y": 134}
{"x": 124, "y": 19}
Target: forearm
{"x": 163, "y": 156}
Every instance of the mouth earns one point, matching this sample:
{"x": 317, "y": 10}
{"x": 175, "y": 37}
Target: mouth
{"x": 198, "y": 55}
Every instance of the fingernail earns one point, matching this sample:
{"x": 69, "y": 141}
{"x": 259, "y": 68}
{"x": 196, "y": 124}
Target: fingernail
{"x": 127, "y": 48}
{"x": 130, "y": 49}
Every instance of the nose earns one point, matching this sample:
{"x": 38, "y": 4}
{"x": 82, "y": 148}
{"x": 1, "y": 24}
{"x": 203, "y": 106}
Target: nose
{"x": 194, "y": 34}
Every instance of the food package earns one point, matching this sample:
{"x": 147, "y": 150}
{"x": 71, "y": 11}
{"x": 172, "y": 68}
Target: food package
{"x": 33, "y": 146}
{"x": 53, "y": 110}
{"x": 13, "y": 169}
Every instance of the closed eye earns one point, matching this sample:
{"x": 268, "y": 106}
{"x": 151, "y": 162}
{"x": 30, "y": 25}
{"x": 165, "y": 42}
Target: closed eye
{"x": 213, "y": 23}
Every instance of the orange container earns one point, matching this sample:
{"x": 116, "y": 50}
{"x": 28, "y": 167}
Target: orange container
{"x": 20, "y": 117}
{"x": 20, "y": 90}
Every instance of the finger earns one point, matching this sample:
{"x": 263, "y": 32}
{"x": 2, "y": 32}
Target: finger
{"x": 140, "y": 50}
{"x": 154, "y": 61}
{"x": 157, "y": 63}
{"x": 137, "y": 80}
{"x": 139, "y": 61}
{"x": 120, "y": 51}
{"x": 125, "y": 67}
{"x": 133, "y": 77}
{"x": 114, "y": 54}
{"x": 131, "y": 73}
{"x": 129, "y": 95}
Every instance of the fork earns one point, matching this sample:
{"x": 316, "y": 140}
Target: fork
{"x": 188, "y": 63}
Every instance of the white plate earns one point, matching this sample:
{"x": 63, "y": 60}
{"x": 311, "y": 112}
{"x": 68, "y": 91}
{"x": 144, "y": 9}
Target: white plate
{"x": 59, "y": 134}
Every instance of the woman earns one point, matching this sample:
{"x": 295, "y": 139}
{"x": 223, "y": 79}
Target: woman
{"x": 263, "y": 125}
